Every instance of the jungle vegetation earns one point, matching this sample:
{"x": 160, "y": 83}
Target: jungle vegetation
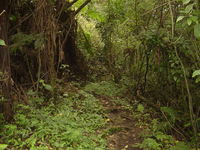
{"x": 68, "y": 68}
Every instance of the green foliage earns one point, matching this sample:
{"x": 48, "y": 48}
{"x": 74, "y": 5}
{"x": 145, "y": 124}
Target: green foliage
{"x": 173, "y": 115}
{"x": 154, "y": 135}
{"x": 131, "y": 42}
{"x": 197, "y": 31}
{"x": 21, "y": 39}
{"x": 185, "y": 2}
{"x": 155, "y": 139}
{"x": 107, "y": 88}
{"x": 191, "y": 14}
{"x": 78, "y": 4}
{"x": 150, "y": 144}
{"x": 3, "y": 146}
{"x": 140, "y": 108}
{"x": 69, "y": 124}
{"x": 94, "y": 14}
{"x": 2, "y": 43}
{"x": 196, "y": 74}
{"x": 180, "y": 146}
{"x": 147, "y": 5}
{"x": 180, "y": 18}
{"x": 48, "y": 87}
{"x": 89, "y": 39}
{"x": 139, "y": 49}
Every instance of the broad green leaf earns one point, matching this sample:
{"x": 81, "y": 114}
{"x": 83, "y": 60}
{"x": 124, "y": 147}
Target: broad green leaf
{"x": 189, "y": 21}
{"x": 48, "y": 87}
{"x": 197, "y": 31}
{"x": 41, "y": 81}
{"x": 2, "y": 43}
{"x": 185, "y": 2}
{"x": 180, "y": 18}
{"x": 3, "y": 146}
{"x": 189, "y": 8}
{"x": 196, "y": 73}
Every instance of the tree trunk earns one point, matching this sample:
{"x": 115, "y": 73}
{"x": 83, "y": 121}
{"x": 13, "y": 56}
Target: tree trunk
{"x": 5, "y": 72}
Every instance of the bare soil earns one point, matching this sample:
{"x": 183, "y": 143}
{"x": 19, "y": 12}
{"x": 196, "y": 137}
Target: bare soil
{"x": 122, "y": 131}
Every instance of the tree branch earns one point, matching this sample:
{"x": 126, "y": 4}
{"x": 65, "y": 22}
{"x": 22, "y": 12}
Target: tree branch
{"x": 72, "y": 3}
{"x": 82, "y": 6}
{"x": 2, "y": 12}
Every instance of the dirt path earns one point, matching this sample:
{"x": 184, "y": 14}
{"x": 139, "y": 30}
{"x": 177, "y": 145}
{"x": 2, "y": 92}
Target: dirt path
{"x": 123, "y": 133}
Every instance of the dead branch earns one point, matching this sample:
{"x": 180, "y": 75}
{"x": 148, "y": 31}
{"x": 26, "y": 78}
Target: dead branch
{"x": 2, "y": 12}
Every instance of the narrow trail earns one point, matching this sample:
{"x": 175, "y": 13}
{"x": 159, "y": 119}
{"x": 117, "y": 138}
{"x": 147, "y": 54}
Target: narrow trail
{"x": 123, "y": 133}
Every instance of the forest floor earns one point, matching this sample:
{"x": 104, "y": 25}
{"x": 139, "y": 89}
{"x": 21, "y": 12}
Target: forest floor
{"x": 96, "y": 116}
{"x": 93, "y": 117}
{"x": 122, "y": 124}
{"x": 123, "y": 131}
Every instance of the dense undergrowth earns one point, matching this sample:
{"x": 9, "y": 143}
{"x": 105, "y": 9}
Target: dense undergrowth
{"x": 143, "y": 55}
{"x": 70, "y": 121}
{"x": 157, "y": 133}
{"x": 76, "y": 120}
